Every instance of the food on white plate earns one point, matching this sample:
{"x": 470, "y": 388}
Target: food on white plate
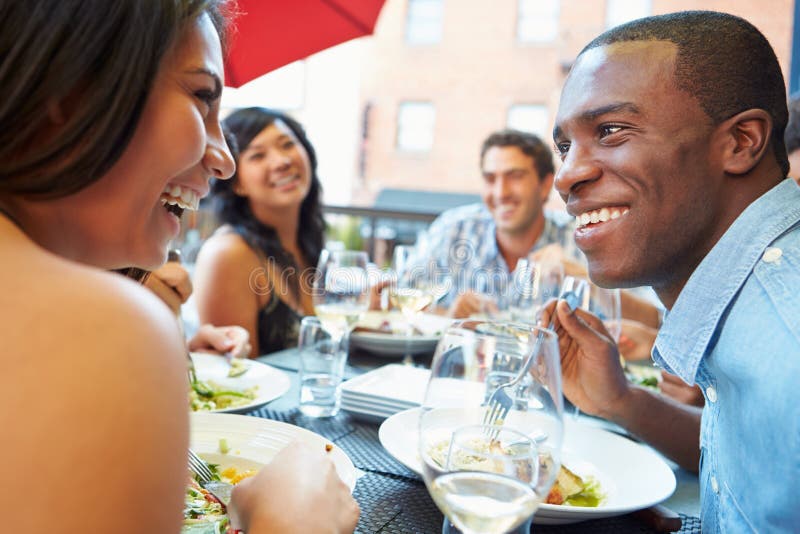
{"x": 207, "y": 395}
{"x": 571, "y": 490}
{"x": 202, "y": 512}
{"x": 238, "y": 367}
{"x": 644, "y": 375}
{"x": 205, "y": 514}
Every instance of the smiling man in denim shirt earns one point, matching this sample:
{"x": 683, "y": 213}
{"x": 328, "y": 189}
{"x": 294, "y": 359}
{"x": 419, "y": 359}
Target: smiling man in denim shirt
{"x": 678, "y": 120}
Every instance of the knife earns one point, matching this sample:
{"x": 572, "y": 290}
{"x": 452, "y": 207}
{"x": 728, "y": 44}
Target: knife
{"x": 220, "y": 490}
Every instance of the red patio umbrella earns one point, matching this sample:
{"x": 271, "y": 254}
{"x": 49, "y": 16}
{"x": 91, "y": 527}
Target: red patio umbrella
{"x": 273, "y": 33}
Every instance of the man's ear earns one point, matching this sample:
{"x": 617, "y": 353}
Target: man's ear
{"x": 547, "y": 186}
{"x": 747, "y": 138}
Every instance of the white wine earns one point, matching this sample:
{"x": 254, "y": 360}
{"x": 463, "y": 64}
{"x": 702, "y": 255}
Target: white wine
{"x": 410, "y": 301}
{"x": 484, "y": 502}
{"x": 340, "y": 316}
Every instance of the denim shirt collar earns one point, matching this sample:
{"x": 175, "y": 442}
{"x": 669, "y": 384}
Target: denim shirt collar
{"x": 689, "y": 327}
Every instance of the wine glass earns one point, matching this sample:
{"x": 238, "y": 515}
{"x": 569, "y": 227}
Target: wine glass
{"x": 605, "y": 304}
{"x": 341, "y": 291}
{"x": 418, "y": 284}
{"x": 533, "y": 284}
{"x": 471, "y": 360}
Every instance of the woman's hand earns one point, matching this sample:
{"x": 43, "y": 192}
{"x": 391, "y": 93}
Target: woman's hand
{"x": 636, "y": 340}
{"x": 171, "y": 283}
{"x": 675, "y": 387}
{"x": 593, "y": 378}
{"x": 299, "y": 491}
{"x": 222, "y": 339}
{"x": 375, "y": 295}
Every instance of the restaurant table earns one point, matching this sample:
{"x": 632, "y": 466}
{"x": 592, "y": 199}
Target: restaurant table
{"x": 394, "y": 499}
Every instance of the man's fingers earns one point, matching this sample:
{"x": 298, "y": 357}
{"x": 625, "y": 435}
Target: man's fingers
{"x": 581, "y": 325}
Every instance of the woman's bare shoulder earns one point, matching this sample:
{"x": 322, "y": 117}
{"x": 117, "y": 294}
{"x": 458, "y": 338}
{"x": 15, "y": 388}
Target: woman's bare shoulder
{"x": 227, "y": 249}
{"x": 94, "y": 359}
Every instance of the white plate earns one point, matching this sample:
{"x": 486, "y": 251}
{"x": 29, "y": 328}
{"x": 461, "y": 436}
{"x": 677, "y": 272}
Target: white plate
{"x": 397, "y": 344}
{"x": 271, "y": 382}
{"x": 394, "y": 384}
{"x": 254, "y": 442}
{"x": 632, "y": 476}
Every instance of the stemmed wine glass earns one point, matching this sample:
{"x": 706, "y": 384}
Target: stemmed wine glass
{"x": 491, "y": 478}
{"x": 605, "y": 304}
{"x": 341, "y": 291}
{"x": 418, "y": 284}
{"x": 533, "y": 284}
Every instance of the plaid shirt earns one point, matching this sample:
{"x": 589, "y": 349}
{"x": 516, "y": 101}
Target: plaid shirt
{"x": 462, "y": 240}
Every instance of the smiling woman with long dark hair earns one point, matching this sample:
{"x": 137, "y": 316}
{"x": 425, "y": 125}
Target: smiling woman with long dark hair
{"x": 255, "y": 270}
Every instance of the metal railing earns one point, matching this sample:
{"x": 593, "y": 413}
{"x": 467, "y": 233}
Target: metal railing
{"x": 372, "y": 215}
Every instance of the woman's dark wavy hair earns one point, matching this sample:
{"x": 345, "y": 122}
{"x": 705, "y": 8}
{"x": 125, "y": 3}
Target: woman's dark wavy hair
{"x": 242, "y": 126}
{"x": 97, "y": 59}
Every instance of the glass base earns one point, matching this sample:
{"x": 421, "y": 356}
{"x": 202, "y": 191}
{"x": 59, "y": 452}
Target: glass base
{"x": 524, "y": 528}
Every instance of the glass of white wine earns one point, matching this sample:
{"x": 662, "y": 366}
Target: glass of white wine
{"x": 491, "y": 479}
{"x": 533, "y": 284}
{"x": 418, "y": 284}
{"x": 341, "y": 290}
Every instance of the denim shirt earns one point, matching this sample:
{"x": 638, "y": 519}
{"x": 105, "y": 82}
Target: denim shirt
{"x": 462, "y": 240}
{"x": 735, "y": 331}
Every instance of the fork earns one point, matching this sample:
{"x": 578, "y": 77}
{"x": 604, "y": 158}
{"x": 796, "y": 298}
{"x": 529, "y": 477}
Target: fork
{"x": 572, "y": 291}
{"x": 208, "y": 479}
{"x": 174, "y": 255}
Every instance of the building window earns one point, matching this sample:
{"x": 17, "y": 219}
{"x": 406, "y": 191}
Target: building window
{"x": 415, "y": 122}
{"x": 424, "y": 22}
{"x": 537, "y": 21}
{"x": 622, "y": 11}
{"x": 531, "y": 118}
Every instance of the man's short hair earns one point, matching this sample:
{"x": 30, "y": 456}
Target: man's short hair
{"x": 792, "y": 136}
{"x": 530, "y": 145}
{"x": 722, "y": 60}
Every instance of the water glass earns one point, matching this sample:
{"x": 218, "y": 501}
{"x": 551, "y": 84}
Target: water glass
{"x": 322, "y": 361}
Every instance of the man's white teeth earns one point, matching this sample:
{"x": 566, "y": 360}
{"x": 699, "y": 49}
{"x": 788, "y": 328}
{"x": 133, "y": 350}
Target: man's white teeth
{"x": 181, "y": 196}
{"x": 598, "y": 216}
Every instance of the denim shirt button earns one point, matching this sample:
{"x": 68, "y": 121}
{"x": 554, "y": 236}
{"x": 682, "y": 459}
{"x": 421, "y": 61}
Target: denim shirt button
{"x": 714, "y": 484}
{"x": 711, "y": 393}
{"x": 772, "y": 254}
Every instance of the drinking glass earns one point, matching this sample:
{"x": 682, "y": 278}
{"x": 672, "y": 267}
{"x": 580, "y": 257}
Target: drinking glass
{"x": 471, "y": 360}
{"x": 533, "y": 284}
{"x": 341, "y": 291}
{"x": 322, "y": 361}
{"x": 417, "y": 285}
{"x": 605, "y": 304}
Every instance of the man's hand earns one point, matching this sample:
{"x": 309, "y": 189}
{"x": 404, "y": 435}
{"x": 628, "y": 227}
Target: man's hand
{"x": 222, "y": 339}
{"x": 592, "y": 376}
{"x": 471, "y": 303}
{"x": 171, "y": 283}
